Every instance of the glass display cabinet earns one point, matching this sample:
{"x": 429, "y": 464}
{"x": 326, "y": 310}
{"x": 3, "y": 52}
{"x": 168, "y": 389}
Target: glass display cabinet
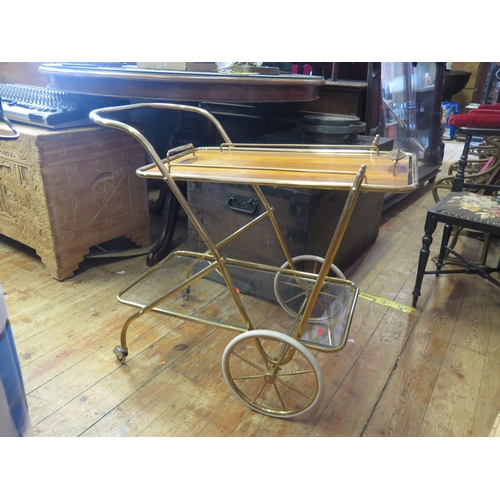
{"x": 410, "y": 110}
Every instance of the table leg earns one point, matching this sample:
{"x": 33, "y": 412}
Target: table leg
{"x": 162, "y": 246}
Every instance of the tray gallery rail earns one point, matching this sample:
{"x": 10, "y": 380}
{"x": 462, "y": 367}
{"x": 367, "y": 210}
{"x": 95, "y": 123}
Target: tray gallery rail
{"x": 282, "y": 315}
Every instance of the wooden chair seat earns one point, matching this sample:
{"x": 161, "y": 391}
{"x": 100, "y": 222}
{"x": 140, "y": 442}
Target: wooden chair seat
{"x": 472, "y": 210}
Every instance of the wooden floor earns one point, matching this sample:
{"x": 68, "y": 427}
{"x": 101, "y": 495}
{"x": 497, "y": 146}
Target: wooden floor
{"x": 431, "y": 372}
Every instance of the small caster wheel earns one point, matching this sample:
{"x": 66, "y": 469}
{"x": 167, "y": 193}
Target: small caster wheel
{"x": 121, "y": 354}
{"x": 186, "y": 292}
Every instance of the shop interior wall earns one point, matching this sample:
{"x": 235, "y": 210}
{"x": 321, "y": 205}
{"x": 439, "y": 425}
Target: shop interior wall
{"x": 464, "y": 97}
{"x": 25, "y": 73}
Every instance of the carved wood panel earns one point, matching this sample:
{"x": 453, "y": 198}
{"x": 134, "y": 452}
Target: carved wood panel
{"x": 62, "y": 192}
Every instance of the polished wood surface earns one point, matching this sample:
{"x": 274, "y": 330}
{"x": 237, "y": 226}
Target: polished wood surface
{"x": 183, "y": 86}
{"x": 300, "y": 168}
{"x": 431, "y": 372}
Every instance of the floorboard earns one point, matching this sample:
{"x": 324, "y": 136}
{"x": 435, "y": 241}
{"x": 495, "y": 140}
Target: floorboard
{"x": 433, "y": 371}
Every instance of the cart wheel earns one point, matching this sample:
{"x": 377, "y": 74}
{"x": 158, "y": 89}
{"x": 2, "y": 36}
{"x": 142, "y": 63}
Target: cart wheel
{"x": 292, "y": 291}
{"x": 121, "y": 354}
{"x": 272, "y": 373}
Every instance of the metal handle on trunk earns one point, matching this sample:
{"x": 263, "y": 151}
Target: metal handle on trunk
{"x": 240, "y": 203}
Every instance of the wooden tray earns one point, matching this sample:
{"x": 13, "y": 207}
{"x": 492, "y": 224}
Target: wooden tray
{"x": 317, "y": 168}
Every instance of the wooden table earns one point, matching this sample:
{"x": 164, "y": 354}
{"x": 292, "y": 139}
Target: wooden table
{"x": 181, "y": 86}
{"x": 132, "y": 82}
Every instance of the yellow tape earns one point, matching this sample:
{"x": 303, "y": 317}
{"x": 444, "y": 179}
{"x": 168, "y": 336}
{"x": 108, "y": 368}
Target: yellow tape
{"x": 385, "y": 302}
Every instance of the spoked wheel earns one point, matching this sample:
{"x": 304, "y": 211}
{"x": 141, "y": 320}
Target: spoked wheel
{"x": 272, "y": 373}
{"x": 293, "y": 291}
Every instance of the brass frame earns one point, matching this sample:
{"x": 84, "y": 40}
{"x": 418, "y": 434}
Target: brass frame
{"x": 356, "y": 180}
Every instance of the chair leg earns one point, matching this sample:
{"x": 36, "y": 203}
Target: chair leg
{"x": 430, "y": 227}
{"x": 458, "y": 182}
{"x": 444, "y": 243}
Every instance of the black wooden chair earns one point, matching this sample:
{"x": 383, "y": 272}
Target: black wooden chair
{"x": 483, "y": 169}
{"x": 462, "y": 208}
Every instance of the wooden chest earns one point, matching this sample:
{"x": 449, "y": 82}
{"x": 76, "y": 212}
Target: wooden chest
{"x": 307, "y": 219}
{"x": 62, "y": 192}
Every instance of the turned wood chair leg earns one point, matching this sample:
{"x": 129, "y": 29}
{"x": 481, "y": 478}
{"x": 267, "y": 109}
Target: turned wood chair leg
{"x": 430, "y": 227}
{"x": 444, "y": 243}
{"x": 458, "y": 182}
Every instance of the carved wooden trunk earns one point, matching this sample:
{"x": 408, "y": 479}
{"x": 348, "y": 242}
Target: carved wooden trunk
{"x": 62, "y": 192}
